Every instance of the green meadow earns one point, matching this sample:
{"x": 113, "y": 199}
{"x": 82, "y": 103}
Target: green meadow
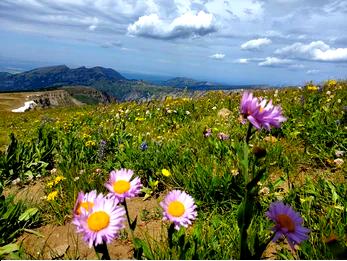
{"x": 62, "y": 151}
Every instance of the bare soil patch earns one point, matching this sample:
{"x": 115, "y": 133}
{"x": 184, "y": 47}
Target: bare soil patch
{"x": 57, "y": 242}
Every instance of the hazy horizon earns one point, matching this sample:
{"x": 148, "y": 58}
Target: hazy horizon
{"x": 235, "y": 42}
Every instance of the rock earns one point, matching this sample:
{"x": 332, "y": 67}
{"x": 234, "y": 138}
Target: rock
{"x": 224, "y": 113}
{"x": 59, "y": 251}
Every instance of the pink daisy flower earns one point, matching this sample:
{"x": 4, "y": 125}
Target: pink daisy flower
{"x": 85, "y": 201}
{"x": 179, "y": 208}
{"x": 121, "y": 187}
{"x": 102, "y": 222}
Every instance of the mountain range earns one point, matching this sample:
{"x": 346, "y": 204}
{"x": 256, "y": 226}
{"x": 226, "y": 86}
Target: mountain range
{"x": 105, "y": 80}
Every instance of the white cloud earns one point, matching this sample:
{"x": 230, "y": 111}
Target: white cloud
{"x": 242, "y": 60}
{"x": 218, "y": 56}
{"x": 274, "y": 62}
{"x": 314, "y": 71}
{"x": 243, "y": 10}
{"x": 255, "y": 44}
{"x": 186, "y": 25}
{"x": 317, "y": 50}
{"x": 331, "y": 55}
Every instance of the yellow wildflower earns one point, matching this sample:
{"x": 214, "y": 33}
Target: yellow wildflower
{"x": 58, "y": 179}
{"x": 312, "y": 88}
{"x": 165, "y": 172}
{"x": 51, "y": 196}
{"x": 50, "y": 184}
{"x": 90, "y": 143}
{"x": 332, "y": 83}
{"x": 85, "y": 136}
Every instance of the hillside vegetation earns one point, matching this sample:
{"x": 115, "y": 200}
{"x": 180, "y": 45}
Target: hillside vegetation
{"x": 196, "y": 145}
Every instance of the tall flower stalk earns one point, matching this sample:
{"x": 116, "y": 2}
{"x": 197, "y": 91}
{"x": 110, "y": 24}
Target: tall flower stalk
{"x": 260, "y": 114}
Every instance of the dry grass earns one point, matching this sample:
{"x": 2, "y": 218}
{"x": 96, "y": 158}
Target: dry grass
{"x": 10, "y": 101}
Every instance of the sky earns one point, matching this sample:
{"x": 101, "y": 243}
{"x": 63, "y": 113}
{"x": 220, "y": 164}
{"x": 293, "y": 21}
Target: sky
{"x": 275, "y": 42}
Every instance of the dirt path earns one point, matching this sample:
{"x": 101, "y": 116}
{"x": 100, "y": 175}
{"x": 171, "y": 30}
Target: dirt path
{"x": 58, "y": 242}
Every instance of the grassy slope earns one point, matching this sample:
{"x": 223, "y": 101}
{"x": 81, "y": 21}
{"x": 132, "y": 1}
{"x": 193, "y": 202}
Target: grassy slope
{"x": 304, "y": 152}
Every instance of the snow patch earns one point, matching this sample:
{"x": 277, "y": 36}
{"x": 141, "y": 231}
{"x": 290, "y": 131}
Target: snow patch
{"x": 27, "y": 106}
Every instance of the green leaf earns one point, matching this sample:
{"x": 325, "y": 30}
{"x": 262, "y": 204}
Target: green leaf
{"x": 8, "y": 249}
{"x": 29, "y": 213}
{"x": 33, "y": 232}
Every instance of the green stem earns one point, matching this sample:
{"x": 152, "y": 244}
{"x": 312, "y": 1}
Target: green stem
{"x": 127, "y": 212}
{"x": 249, "y": 133}
{"x": 244, "y": 250}
{"x": 128, "y": 218}
{"x": 102, "y": 249}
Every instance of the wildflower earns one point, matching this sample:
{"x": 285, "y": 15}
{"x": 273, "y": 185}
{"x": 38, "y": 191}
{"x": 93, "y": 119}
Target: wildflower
{"x": 102, "y": 222}
{"x": 53, "y": 171}
{"x": 187, "y": 112}
{"x": 260, "y": 112}
{"x": 51, "y": 196}
{"x": 121, "y": 187}
{"x": 328, "y": 93}
{"x": 222, "y": 136}
{"x": 165, "y": 172}
{"x": 312, "y": 88}
{"x": 207, "y": 132}
{"x": 144, "y": 146}
{"x": 179, "y": 208}
{"x": 332, "y": 83}
{"x": 50, "y": 184}
{"x": 288, "y": 223}
{"x": 235, "y": 172}
{"x": 58, "y": 179}
{"x": 338, "y": 162}
{"x": 90, "y": 143}
{"x": 85, "y": 201}
{"x": 264, "y": 191}
{"x": 214, "y": 108}
{"x": 98, "y": 171}
{"x": 339, "y": 153}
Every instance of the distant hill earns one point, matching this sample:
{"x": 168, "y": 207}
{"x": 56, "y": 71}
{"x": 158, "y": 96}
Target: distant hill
{"x": 191, "y": 84}
{"x": 56, "y": 76}
{"x": 4, "y": 75}
{"x": 108, "y": 81}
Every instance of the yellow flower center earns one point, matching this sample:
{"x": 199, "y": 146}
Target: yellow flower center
{"x": 286, "y": 222}
{"x": 176, "y": 209}
{"x": 121, "y": 186}
{"x": 98, "y": 221}
{"x": 86, "y": 205}
{"x": 261, "y": 109}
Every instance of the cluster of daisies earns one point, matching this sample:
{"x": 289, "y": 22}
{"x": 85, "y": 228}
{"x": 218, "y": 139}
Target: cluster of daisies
{"x": 100, "y": 218}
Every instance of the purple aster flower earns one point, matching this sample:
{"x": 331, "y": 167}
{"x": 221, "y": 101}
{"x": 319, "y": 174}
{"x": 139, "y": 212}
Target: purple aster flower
{"x": 179, "y": 208}
{"x": 121, "y": 187}
{"x": 249, "y": 105}
{"x": 207, "y": 132}
{"x": 102, "y": 222}
{"x": 85, "y": 201}
{"x": 288, "y": 223}
{"x": 260, "y": 112}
